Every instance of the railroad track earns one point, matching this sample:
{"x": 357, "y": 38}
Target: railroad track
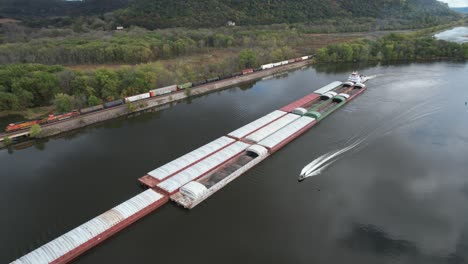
{"x": 249, "y": 77}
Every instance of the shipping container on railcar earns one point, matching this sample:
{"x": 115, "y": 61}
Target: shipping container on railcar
{"x": 113, "y": 103}
{"x": 276, "y": 64}
{"x": 185, "y": 86}
{"x": 137, "y": 97}
{"x": 267, "y": 66}
{"x": 91, "y": 109}
{"x": 226, "y": 76}
{"x": 236, "y": 74}
{"x": 165, "y": 90}
{"x": 212, "y": 79}
{"x": 198, "y": 83}
{"x": 247, "y": 71}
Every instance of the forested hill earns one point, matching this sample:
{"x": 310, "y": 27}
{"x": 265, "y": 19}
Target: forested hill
{"x": 208, "y": 13}
{"x": 38, "y": 8}
{"x": 211, "y": 13}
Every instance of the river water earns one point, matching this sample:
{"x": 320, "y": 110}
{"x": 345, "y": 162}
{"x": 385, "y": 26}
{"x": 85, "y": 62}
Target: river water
{"x": 401, "y": 196}
{"x": 457, "y": 34}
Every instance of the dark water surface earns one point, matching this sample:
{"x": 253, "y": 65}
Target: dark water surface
{"x": 401, "y": 196}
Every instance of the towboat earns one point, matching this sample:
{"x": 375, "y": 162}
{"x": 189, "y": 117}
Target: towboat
{"x": 356, "y": 78}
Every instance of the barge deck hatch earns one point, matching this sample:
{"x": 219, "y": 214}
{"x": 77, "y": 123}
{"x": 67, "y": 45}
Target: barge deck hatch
{"x": 199, "y": 169}
{"x": 277, "y": 139}
{"x": 176, "y": 165}
{"x": 328, "y": 87}
{"x": 68, "y": 246}
{"x": 271, "y": 128}
{"x": 197, "y": 191}
{"x": 257, "y": 124}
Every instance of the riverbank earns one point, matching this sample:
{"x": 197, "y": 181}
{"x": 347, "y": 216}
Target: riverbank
{"x": 160, "y": 102}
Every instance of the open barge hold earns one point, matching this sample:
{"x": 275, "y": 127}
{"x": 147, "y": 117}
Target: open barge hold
{"x": 315, "y": 99}
{"x": 195, "y": 176}
{"x": 72, "y": 244}
{"x": 154, "y": 177}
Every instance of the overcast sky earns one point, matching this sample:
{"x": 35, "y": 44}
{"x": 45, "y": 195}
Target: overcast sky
{"x": 456, "y": 3}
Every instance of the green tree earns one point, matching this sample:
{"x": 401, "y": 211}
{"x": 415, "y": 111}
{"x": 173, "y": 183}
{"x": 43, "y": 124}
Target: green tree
{"x": 109, "y": 82}
{"x": 7, "y": 141}
{"x": 82, "y": 85}
{"x": 247, "y": 58}
{"x": 93, "y": 100}
{"x": 35, "y": 130}
{"x": 63, "y": 102}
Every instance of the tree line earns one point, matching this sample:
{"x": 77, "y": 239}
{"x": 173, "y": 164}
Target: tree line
{"x": 33, "y": 85}
{"x": 135, "y": 45}
{"x": 393, "y": 47}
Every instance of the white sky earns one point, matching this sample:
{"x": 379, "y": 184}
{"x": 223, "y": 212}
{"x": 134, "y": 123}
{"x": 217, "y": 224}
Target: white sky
{"x": 456, "y": 3}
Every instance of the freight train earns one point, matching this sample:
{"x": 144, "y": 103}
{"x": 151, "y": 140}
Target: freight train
{"x": 152, "y": 93}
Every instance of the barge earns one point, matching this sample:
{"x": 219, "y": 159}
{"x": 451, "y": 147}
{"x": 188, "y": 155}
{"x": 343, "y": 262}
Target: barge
{"x": 193, "y": 177}
{"x": 72, "y": 244}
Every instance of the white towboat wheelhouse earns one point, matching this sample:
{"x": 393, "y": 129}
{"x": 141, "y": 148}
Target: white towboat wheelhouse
{"x": 355, "y": 77}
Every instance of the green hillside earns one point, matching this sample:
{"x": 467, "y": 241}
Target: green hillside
{"x": 212, "y": 13}
{"x": 209, "y": 13}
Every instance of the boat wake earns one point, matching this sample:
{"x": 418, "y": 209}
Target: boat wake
{"x": 359, "y": 141}
{"x": 321, "y": 163}
{"x": 372, "y": 76}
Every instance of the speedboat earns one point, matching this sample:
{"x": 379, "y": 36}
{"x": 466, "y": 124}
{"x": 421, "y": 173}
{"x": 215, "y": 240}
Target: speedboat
{"x": 309, "y": 168}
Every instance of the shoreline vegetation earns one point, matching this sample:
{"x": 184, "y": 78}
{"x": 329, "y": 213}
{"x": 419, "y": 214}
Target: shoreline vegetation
{"x": 32, "y": 90}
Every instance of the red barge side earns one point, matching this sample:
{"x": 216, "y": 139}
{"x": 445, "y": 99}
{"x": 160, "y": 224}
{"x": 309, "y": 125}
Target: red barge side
{"x": 75, "y": 242}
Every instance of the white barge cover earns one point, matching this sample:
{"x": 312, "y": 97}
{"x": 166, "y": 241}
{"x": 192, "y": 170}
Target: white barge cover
{"x": 198, "y": 169}
{"x": 178, "y": 164}
{"x": 272, "y": 127}
{"x": 328, "y": 87}
{"x": 89, "y": 230}
{"x": 251, "y": 127}
{"x": 287, "y": 131}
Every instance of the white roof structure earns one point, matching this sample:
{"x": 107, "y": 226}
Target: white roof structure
{"x": 329, "y": 94}
{"x": 178, "y": 164}
{"x": 299, "y": 111}
{"x": 193, "y": 190}
{"x": 259, "y": 150}
{"x": 249, "y": 128}
{"x": 287, "y": 131}
{"x": 198, "y": 169}
{"x": 89, "y": 230}
{"x": 272, "y": 127}
{"x": 328, "y": 87}
{"x": 346, "y": 96}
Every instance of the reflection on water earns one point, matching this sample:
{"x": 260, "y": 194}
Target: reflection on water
{"x": 400, "y": 199}
{"x": 458, "y": 34}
